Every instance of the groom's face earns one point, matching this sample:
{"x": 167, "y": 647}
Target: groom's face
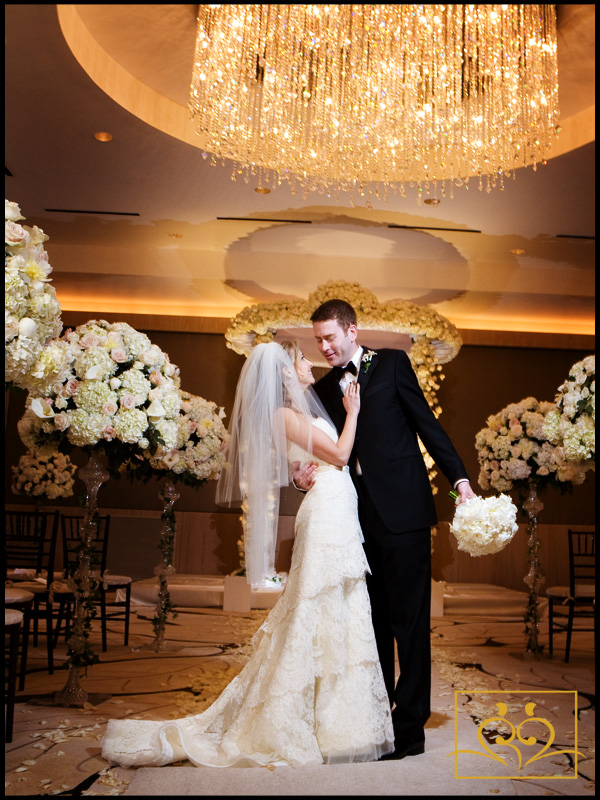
{"x": 337, "y": 345}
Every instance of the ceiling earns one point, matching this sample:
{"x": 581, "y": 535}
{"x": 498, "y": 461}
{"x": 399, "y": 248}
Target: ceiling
{"x": 166, "y": 245}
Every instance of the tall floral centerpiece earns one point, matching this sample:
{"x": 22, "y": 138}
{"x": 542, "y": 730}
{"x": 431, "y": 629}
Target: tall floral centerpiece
{"x": 196, "y": 458}
{"x": 118, "y": 399}
{"x": 515, "y": 455}
{"x": 573, "y": 424}
{"x": 31, "y": 310}
{"x": 39, "y": 476}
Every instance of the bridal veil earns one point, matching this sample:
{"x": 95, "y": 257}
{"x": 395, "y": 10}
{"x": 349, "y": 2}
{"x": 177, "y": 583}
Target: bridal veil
{"x": 257, "y": 462}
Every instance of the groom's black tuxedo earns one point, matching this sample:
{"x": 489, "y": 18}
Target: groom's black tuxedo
{"x": 393, "y": 411}
{"x": 396, "y": 512}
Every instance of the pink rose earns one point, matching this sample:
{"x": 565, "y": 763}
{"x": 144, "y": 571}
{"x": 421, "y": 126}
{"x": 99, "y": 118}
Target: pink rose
{"x": 89, "y": 340}
{"x": 61, "y": 421}
{"x": 157, "y": 378}
{"x": 109, "y": 433}
{"x": 109, "y": 408}
{"x": 14, "y": 233}
{"x": 128, "y": 400}
{"x": 118, "y": 354}
{"x": 72, "y": 387}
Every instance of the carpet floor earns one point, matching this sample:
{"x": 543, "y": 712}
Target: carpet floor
{"x": 483, "y": 687}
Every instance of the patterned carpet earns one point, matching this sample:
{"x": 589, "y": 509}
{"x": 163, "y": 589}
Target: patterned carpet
{"x": 56, "y": 750}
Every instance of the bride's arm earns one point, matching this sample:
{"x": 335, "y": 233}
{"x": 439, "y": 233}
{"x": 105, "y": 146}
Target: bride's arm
{"x": 300, "y": 431}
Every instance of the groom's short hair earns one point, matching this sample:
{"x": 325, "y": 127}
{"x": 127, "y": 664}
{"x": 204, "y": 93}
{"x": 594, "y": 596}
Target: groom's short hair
{"x": 338, "y": 310}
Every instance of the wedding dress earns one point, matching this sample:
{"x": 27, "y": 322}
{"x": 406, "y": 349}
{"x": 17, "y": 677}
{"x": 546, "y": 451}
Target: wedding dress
{"x": 313, "y": 691}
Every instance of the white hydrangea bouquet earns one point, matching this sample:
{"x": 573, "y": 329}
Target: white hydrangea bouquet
{"x": 38, "y": 475}
{"x": 513, "y": 449}
{"x": 201, "y": 438}
{"x": 484, "y": 525}
{"x": 31, "y": 310}
{"x": 120, "y": 389}
{"x": 573, "y": 424}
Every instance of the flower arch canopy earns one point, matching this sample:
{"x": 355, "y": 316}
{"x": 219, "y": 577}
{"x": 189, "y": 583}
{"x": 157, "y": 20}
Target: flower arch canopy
{"x": 408, "y": 323}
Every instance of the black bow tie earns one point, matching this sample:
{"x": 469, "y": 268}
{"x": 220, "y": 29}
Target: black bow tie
{"x": 339, "y": 372}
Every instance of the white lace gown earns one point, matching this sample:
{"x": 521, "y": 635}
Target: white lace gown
{"x": 313, "y": 691}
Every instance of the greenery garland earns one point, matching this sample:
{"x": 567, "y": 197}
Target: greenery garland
{"x": 80, "y": 653}
{"x": 166, "y": 546}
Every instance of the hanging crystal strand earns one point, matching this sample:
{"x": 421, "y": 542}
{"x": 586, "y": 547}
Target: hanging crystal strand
{"x": 168, "y": 494}
{"x": 534, "y": 578}
{"x": 83, "y": 586}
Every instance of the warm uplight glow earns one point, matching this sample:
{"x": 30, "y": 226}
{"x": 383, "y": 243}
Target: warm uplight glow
{"x": 336, "y": 97}
{"x": 103, "y": 136}
{"x": 92, "y": 306}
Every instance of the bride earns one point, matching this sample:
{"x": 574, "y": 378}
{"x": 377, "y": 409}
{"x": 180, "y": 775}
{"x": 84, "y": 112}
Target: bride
{"x": 313, "y": 691}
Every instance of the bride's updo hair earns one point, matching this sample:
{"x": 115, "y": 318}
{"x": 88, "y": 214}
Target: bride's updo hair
{"x": 292, "y": 348}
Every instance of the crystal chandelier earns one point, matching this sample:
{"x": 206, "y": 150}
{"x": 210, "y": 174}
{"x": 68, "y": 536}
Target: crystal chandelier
{"x": 366, "y": 98}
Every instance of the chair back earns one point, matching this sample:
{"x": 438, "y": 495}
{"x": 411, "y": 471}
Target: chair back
{"x": 71, "y": 542}
{"x": 582, "y": 558}
{"x": 30, "y": 541}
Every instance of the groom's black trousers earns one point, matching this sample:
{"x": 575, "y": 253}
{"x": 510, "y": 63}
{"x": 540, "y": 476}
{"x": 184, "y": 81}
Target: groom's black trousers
{"x": 400, "y": 592}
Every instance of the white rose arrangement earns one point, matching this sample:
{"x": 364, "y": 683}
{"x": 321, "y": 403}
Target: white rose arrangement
{"x": 198, "y": 455}
{"x": 573, "y": 424}
{"x": 31, "y": 310}
{"x": 120, "y": 389}
{"x": 38, "y": 475}
{"x": 514, "y": 449}
{"x": 484, "y": 525}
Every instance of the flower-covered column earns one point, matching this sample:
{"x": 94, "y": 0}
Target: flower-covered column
{"x": 84, "y": 586}
{"x": 535, "y": 577}
{"x": 197, "y": 458}
{"x": 168, "y": 494}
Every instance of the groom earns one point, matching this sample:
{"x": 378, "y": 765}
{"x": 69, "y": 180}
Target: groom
{"x": 395, "y": 504}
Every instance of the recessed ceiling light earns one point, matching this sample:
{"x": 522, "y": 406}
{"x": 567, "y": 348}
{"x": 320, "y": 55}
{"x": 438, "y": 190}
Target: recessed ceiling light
{"x": 432, "y": 201}
{"x": 262, "y": 190}
{"x": 103, "y": 136}
{"x": 517, "y": 251}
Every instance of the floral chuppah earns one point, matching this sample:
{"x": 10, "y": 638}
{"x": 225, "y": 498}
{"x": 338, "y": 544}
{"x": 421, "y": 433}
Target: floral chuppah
{"x": 514, "y": 454}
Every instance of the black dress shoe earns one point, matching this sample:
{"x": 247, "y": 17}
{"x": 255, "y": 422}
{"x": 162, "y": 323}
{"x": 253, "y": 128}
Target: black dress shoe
{"x": 403, "y": 750}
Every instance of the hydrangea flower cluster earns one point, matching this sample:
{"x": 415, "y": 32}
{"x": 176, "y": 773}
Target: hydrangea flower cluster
{"x": 573, "y": 424}
{"x": 37, "y": 475}
{"x": 514, "y": 449}
{"x": 31, "y": 310}
{"x": 120, "y": 387}
{"x": 201, "y": 436}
